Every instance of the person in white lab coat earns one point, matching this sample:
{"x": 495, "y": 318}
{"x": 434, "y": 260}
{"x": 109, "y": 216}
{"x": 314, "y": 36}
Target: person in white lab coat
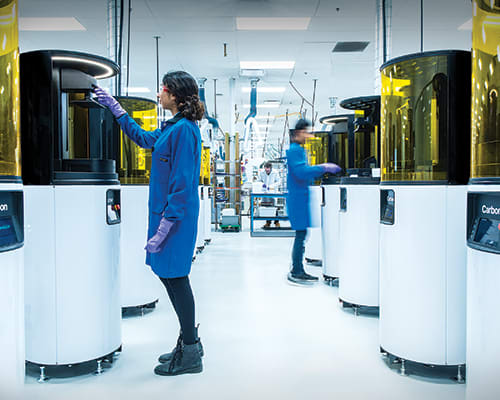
{"x": 270, "y": 180}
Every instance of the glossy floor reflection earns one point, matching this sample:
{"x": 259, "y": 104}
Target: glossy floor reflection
{"x": 263, "y": 338}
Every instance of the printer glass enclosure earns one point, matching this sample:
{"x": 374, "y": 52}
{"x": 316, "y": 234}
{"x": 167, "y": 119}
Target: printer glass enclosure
{"x": 366, "y": 133}
{"x": 205, "y": 170}
{"x": 425, "y": 113}
{"x": 485, "y": 92}
{"x": 317, "y": 149}
{"x": 340, "y": 130}
{"x": 10, "y": 142}
{"x": 134, "y": 163}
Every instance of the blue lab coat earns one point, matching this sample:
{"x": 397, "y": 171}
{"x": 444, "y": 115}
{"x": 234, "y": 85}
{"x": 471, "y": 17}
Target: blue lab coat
{"x": 173, "y": 189}
{"x": 300, "y": 176}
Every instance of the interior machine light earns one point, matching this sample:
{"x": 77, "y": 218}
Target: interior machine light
{"x": 108, "y": 72}
{"x": 267, "y": 64}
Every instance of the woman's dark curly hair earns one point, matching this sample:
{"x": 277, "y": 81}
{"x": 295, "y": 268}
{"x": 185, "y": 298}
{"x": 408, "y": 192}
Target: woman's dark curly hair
{"x": 185, "y": 89}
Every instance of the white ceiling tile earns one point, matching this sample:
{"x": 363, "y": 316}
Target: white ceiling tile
{"x": 170, "y": 9}
{"x": 347, "y": 8}
{"x": 276, "y": 8}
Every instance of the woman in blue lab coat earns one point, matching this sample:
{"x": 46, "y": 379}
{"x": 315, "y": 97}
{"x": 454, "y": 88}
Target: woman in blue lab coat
{"x": 173, "y": 205}
{"x": 300, "y": 176}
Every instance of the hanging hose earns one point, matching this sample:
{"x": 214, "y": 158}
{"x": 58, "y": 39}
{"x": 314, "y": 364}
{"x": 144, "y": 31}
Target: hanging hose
{"x": 285, "y": 128}
{"x": 201, "y": 94}
{"x": 302, "y": 97}
{"x": 250, "y": 121}
{"x": 267, "y": 132}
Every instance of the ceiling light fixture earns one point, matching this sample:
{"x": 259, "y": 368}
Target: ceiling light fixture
{"x": 265, "y": 89}
{"x": 272, "y": 24}
{"x": 50, "y": 24}
{"x": 267, "y": 64}
{"x": 273, "y": 105}
{"x": 108, "y": 71}
{"x": 270, "y": 117}
{"x": 252, "y": 73}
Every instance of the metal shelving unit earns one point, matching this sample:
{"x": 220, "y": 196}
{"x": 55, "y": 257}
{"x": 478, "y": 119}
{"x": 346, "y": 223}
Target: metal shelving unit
{"x": 271, "y": 232}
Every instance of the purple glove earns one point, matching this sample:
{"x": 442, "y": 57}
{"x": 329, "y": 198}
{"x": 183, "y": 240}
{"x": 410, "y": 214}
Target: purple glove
{"x": 157, "y": 242}
{"x": 109, "y": 101}
{"x": 330, "y": 168}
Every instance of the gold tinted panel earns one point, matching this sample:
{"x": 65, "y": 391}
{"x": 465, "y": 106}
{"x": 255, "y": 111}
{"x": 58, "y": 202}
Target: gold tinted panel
{"x": 485, "y": 89}
{"x": 366, "y": 149}
{"x": 205, "y": 170}
{"x": 317, "y": 148}
{"x": 366, "y": 152}
{"x": 414, "y": 120}
{"x": 340, "y": 149}
{"x": 135, "y": 162}
{"x": 10, "y": 156}
{"x": 78, "y": 141}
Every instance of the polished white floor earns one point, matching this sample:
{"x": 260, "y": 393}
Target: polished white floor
{"x": 264, "y": 339}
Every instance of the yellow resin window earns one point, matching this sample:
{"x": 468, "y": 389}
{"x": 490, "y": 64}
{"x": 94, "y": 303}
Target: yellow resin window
{"x": 10, "y": 154}
{"x": 414, "y": 120}
{"x": 485, "y": 89}
{"x": 135, "y": 162}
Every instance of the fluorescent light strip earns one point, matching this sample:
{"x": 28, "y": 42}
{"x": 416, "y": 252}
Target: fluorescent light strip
{"x": 466, "y": 26}
{"x": 263, "y": 105}
{"x": 50, "y": 24}
{"x": 265, "y": 89}
{"x": 271, "y": 117}
{"x": 272, "y": 24}
{"x": 109, "y": 71}
{"x": 267, "y": 64}
{"x": 265, "y": 126}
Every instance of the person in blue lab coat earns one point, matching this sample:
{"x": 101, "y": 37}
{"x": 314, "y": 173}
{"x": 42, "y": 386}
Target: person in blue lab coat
{"x": 300, "y": 176}
{"x": 173, "y": 206}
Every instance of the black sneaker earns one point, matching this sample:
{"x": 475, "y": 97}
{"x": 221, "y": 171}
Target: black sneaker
{"x": 308, "y": 277}
{"x": 299, "y": 279}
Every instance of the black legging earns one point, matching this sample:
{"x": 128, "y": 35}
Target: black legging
{"x": 298, "y": 252}
{"x": 181, "y": 296}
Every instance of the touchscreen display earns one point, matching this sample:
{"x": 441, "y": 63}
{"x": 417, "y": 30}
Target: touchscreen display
{"x": 488, "y": 232}
{"x": 7, "y": 232}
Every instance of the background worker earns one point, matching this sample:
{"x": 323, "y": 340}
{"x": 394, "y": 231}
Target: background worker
{"x": 270, "y": 180}
{"x": 300, "y": 176}
{"x": 173, "y": 205}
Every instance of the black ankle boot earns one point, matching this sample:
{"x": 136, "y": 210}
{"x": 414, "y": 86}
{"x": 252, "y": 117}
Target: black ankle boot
{"x": 165, "y": 358}
{"x": 186, "y": 359}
